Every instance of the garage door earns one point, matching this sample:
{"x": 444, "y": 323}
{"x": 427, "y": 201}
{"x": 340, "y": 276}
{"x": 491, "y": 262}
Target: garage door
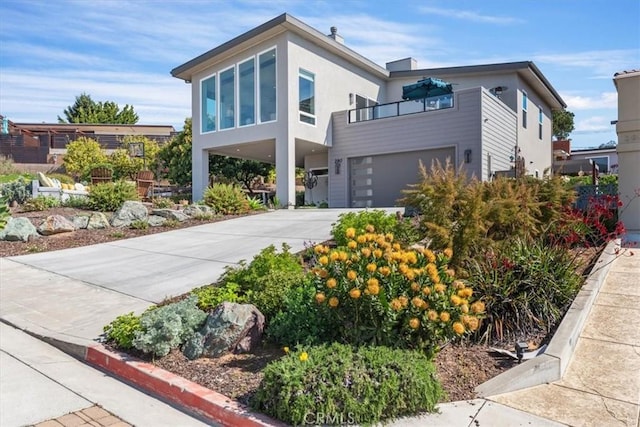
{"x": 378, "y": 181}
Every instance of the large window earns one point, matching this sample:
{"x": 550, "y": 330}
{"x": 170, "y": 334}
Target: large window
{"x": 227, "y": 98}
{"x": 524, "y": 109}
{"x": 208, "y": 107}
{"x": 267, "y": 79}
{"x": 306, "y": 89}
{"x": 602, "y": 162}
{"x": 539, "y": 122}
{"x": 247, "y": 92}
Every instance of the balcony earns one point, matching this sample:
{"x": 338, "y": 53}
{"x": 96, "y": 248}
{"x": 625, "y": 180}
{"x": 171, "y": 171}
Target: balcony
{"x": 401, "y": 108}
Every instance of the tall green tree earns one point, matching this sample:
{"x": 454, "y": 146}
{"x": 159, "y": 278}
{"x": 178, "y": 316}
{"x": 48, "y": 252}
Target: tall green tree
{"x": 175, "y": 156}
{"x": 86, "y": 110}
{"x": 562, "y": 123}
{"x": 240, "y": 170}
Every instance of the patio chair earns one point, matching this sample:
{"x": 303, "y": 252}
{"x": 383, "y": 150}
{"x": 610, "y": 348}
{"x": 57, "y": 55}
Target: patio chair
{"x": 144, "y": 183}
{"x": 101, "y": 175}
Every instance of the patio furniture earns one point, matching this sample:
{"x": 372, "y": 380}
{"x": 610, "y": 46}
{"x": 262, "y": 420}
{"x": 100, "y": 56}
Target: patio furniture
{"x": 144, "y": 183}
{"x": 101, "y": 175}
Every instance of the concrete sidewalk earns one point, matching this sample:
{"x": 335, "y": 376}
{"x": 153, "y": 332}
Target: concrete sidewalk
{"x": 68, "y": 296}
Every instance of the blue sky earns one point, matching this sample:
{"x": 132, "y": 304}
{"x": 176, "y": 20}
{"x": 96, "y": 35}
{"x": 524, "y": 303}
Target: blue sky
{"x": 123, "y": 51}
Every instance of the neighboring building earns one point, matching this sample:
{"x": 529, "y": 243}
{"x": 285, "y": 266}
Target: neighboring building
{"x": 43, "y": 143}
{"x": 287, "y": 94}
{"x": 568, "y": 161}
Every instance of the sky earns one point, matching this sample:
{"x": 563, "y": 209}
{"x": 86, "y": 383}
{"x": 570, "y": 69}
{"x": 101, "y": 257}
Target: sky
{"x": 123, "y": 51}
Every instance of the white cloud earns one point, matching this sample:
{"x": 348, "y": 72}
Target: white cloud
{"x": 605, "y": 100}
{"x": 469, "y": 15}
{"x": 600, "y": 63}
{"x": 593, "y": 124}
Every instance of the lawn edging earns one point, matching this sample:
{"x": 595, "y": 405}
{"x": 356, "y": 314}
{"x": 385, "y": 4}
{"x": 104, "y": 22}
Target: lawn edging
{"x": 178, "y": 390}
{"x": 552, "y": 364}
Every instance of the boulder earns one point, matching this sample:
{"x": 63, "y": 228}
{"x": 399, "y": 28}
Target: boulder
{"x": 18, "y": 229}
{"x": 80, "y": 221}
{"x": 55, "y": 224}
{"x": 129, "y": 212}
{"x": 170, "y": 214}
{"x": 98, "y": 221}
{"x": 230, "y": 327}
{"x": 193, "y": 210}
{"x": 156, "y": 221}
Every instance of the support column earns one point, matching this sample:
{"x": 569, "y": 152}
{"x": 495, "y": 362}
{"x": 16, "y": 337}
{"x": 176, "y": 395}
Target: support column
{"x": 286, "y": 172}
{"x": 199, "y": 173}
{"x": 628, "y": 130}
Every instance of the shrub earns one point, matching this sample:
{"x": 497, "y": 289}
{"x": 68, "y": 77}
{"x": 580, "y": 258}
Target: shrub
{"x": 227, "y": 199}
{"x": 122, "y": 330}
{"x": 7, "y": 166}
{"x": 171, "y": 223}
{"x": 82, "y": 154}
{"x": 40, "y": 203}
{"x": 78, "y": 202}
{"x": 204, "y": 216}
{"x": 526, "y": 287}
{"x": 168, "y": 327}
{"x": 379, "y": 219}
{"x": 139, "y": 224}
{"x": 376, "y": 292}
{"x": 162, "y": 203}
{"x": 5, "y": 212}
{"x": 347, "y": 386}
{"x": 109, "y": 196}
{"x": 210, "y": 296}
{"x": 255, "y": 204}
{"x": 300, "y": 320}
{"x": 16, "y": 191}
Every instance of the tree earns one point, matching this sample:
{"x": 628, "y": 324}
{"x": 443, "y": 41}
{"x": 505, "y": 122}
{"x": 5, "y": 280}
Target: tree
{"x": 82, "y": 155}
{"x": 243, "y": 171}
{"x": 175, "y": 156}
{"x": 86, "y": 110}
{"x": 562, "y": 123}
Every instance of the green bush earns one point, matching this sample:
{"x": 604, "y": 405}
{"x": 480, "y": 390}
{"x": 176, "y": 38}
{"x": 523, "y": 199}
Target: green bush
{"x": 168, "y": 327}
{"x": 379, "y": 219}
{"x": 122, "y": 330}
{"x": 108, "y": 197}
{"x": 78, "y": 202}
{"x": 255, "y": 204}
{"x": 40, "y": 203}
{"x": 16, "y": 191}
{"x": 210, "y": 296}
{"x": 162, "y": 203}
{"x": 5, "y": 212}
{"x": 227, "y": 199}
{"x": 299, "y": 321}
{"x": 7, "y": 166}
{"x": 336, "y": 385}
{"x": 526, "y": 288}
{"x": 139, "y": 224}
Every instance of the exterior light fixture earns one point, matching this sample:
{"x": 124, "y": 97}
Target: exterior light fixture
{"x": 338, "y": 164}
{"x": 467, "y": 156}
{"x": 521, "y": 347}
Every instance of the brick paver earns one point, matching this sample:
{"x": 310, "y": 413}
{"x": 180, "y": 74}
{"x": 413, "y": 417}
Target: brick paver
{"x": 93, "y": 416}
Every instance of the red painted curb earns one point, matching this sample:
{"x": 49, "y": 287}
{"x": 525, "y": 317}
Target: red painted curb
{"x": 208, "y": 403}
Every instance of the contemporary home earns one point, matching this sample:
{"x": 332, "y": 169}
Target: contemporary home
{"x": 568, "y": 161}
{"x": 46, "y": 143}
{"x": 287, "y": 94}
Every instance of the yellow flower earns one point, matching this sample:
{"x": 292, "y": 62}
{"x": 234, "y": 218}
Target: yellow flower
{"x": 333, "y": 302}
{"x": 377, "y": 253}
{"x": 384, "y": 270}
{"x": 458, "y": 328}
{"x": 323, "y": 260}
{"x": 477, "y": 307}
{"x": 451, "y": 272}
{"x": 323, "y": 273}
{"x": 286, "y": 350}
{"x": 334, "y": 255}
{"x": 331, "y": 283}
{"x": 473, "y": 323}
{"x": 432, "y": 269}
{"x": 448, "y": 252}
{"x": 410, "y": 274}
{"x": 415, "y": 287}
{"x": 435, "y": 278}
{"x": 468, "y": 292}
{"x": 318, "y": 249}
{"x": 352, "y": 275}
{"x": 350, "y": 233}
{"x": 370, "y": 228}
{"x": 361, "y": 239}
{"x": 389, "y": 237}
{"x": 355, "y": 257}
{"x": 304, "y": 356}
{"x": 412, "y": 258}
{"x": 414, "y": 323}
{"x": 429, "y": 255}
{"x": 343, "y": 256}
{"x": 432, "y": 315}
{"x": 439, "y": 287}
{"x": 373, "y": 288}
{"x": 371, "y": 267}
{"x": 354, "y": 293}
{"x": 396, "y": 246}
{"x": 458, "y": 284}
{"x": 403, "y": 268}
{"x": 456, "y": 300}
{"x": 444, "y": 316}
{"x": 418, "y": 302}
{"x": 403, "y": 300}
{"x": 395, "y": 304}
{"x": 426, "y": 290}
{"x": 320, "y": 297}
{"x": 464, "y": 308}
{"x": 352, "y": 244}
{"x": 366, "y": 252}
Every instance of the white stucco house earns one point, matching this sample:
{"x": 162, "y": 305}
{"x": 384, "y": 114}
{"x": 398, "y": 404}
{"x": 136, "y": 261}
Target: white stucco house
{"x": 288, "y": 94}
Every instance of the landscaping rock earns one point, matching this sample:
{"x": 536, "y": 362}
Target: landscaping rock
{"x": 193, "y": 210}
{"x": 55, "y": 224}
{"x": 156, "y": 221}
{"x": 170, "y": 214}
{"x": 129, "y": 212}
{"x": 98, "y": 221}
{"x": 19, "y": 229}
{"x": 230, "y": 327}
{"x": 80, "y": 221}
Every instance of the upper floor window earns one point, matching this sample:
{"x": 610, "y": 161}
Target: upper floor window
{"x": 306, "y": 89}
{"x": 267, "y": 85}
{"x": 540, "y": 122}
{"x": 208, "y": 108}
{"x": 227, "y": 98}
{"x": 247, "y": 92}
{"x": 524, "y": 109}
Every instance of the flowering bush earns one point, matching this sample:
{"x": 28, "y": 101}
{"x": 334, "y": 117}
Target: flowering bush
{"x": 376, "y": 292}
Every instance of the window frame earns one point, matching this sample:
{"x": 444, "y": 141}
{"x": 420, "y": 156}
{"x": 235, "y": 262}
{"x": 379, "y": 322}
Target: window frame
{"x": 215, "y": 103}
{"x": 259, "y": 91}
{"x": 525, "y": 106}
{"x": 540, "y": 121}
{"x": 220, "y": 118}
{"x": 306, "y": 74}
{"x": 240, "y": 123}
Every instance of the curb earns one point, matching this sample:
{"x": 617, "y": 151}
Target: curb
{"x": 552, "y": 364}
{"x": 175, "y": 389}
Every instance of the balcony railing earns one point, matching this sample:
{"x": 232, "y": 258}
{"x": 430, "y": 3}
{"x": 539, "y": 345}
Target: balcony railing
{"x": 400, "y": 108}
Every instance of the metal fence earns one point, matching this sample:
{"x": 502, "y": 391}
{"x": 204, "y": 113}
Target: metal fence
{"x": 588, "y": 193}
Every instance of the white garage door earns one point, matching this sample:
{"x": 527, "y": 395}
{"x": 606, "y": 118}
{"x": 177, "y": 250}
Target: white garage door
{"x": 378, "y": 181}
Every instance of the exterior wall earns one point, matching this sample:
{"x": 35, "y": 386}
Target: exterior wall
{"x": 590, "y": 154}
{"x": 499, "y": 135}
{"x": 458, "y": 127}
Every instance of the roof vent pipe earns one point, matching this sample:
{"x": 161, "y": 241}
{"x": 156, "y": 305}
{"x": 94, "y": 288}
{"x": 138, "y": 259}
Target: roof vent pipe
{"x": 334, "y": 35}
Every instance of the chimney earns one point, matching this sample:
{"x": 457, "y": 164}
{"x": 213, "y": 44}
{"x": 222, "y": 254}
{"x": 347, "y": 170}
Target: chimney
{"x": 334, "y": 35}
